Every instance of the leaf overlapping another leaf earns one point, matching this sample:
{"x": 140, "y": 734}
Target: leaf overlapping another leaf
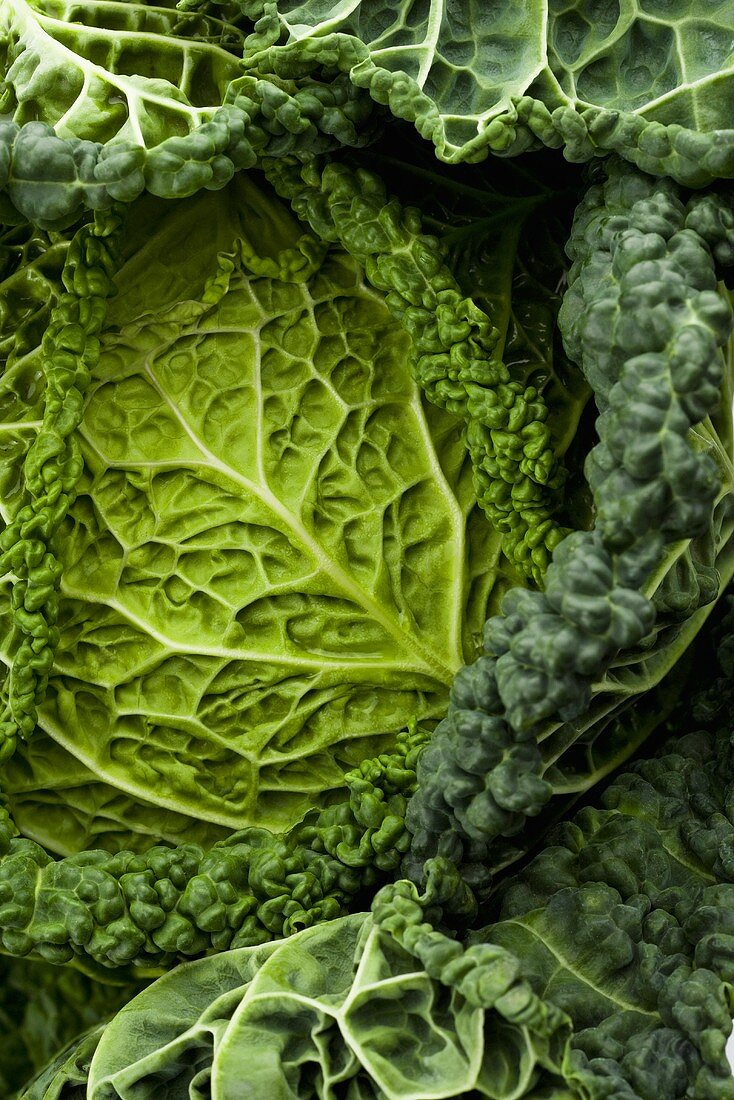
{"x": 245, "y": 610}
{"x": 644, "y": 319}
{"x": 605, "y": 972}
{"x": 591, "y": 78}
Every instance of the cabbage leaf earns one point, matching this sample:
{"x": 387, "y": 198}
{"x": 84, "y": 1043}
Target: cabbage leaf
{"x": 605, "y": 971}
{"x": 104, "y": 71}
{"x": 275, "y": 560}
{"x": 651, "y": 81}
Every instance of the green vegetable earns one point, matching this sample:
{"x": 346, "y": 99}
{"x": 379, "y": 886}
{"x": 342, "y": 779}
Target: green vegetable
{"x": 339, "y": 1003}
{"x": 165, "y": 483}
{"x": 456, "y": 361}
{"x": 89, "y": 123}
{"x": 244, "y": 617}
{"x": 50, "y": 474}
{"x": 593, "y": 78}
{"x": 148, "y": 909}
{"x": 98, "y": 110}
{"x": 605, "y": 973}
{"x": 345, "y": 549}
{"x": 645, "y": 319}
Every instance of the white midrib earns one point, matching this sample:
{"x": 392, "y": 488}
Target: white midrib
{"x": 174, "y": 646}
{"x": 20, "y": 425}
{"x": 425, "y": 659}
{"x": 32, "y": 25}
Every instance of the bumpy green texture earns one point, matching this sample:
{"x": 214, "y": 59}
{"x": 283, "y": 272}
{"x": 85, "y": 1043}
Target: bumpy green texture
{"x": 644, "y": 319}
{"x": 652, "y": 81}
{"x": 453, "y": 347}
{"x": 100, "y": 104}
{"x": 155, "y": 907}
{"x": 47, "y": 483}
{"x": 90, "y": 72}
{"x": 338, "y": 1006}
{"x": 87, "y": 122}
{"x": 70, "y": 791}
{"x": 605, "y": 973}
{"x": 244, "y": 610}
{"x": 645, "y": 884}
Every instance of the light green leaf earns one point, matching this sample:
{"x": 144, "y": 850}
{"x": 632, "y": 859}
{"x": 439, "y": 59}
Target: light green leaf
{"x": 336, "y": 1010}
{"x": 104, "y": 70}
{"x": 275, "y": 561}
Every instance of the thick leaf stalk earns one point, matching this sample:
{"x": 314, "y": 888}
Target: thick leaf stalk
{"x": 644, "y": 320}
{"x": 454, "y": 347}
{"x": 53, "y": 466}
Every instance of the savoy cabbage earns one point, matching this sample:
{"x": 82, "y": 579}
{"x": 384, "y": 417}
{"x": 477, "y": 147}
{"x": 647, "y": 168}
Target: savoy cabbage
{"x": 606, "y": 971}
{"x": 368, "y": 487}
{"x": 245, "y": 613}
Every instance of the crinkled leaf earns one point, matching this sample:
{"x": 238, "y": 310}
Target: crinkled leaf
{"x": 275, "y": 560}
{"x": 474, "y": 77}
{"x": 466, "y": 63}
{"x": 129, "y": 72}
{"x": 339, "y": 1009}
